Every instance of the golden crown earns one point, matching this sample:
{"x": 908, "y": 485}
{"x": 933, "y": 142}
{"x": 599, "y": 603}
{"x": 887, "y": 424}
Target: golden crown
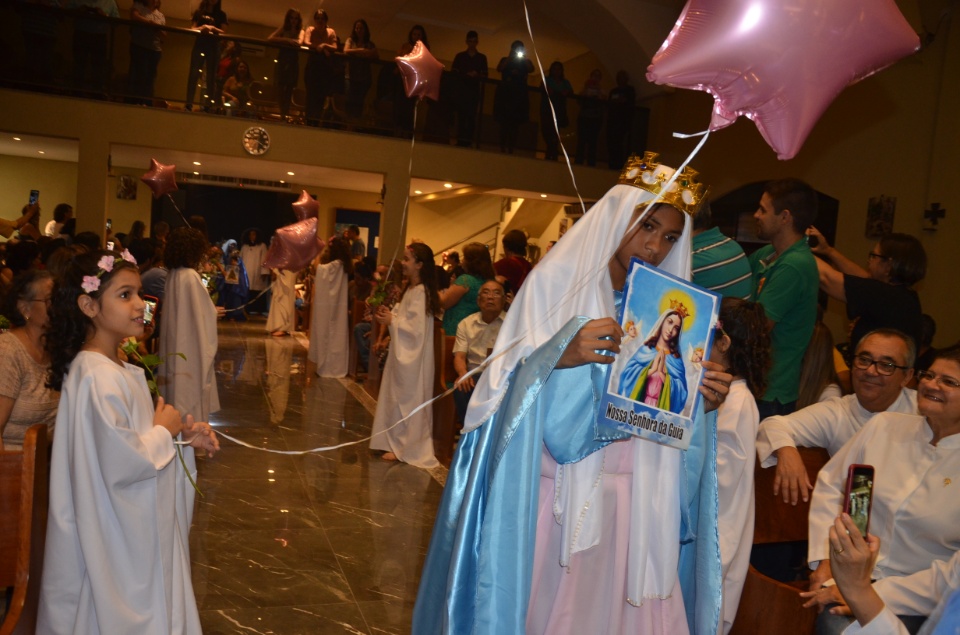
{"x": 686, "y": 194}
{"x": 679, "y": 308}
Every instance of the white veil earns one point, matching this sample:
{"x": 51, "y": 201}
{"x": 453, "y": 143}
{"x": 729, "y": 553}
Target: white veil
{"x": 571, "y": 280}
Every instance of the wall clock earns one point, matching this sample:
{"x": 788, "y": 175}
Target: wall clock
{"x": 256, "y": 140}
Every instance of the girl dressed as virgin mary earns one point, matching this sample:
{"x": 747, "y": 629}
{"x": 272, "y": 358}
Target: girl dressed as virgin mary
{"x": 655, "y": 374}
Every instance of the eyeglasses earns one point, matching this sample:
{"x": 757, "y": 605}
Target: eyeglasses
{"x": 872, "y": 255}
{"x": 943, "y": 380}
{"x": 44, "y": 300}
{"x": 863, "y": 362}
{"x": 494, "y": 293}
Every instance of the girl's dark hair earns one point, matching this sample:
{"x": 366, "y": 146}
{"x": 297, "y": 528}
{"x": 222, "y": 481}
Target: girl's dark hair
{"x": 339, "y": 249}
{"x": 908, "y": 259}
{"x": 366, "y": 32}
{"x": 476, "y": 261}
{"x": 23, "y": 287}
{"x": 69, "y": 327}
{"x": 185, "y": 248}
{"x": 297, "y": 19}
{"x": 428, "y": 276}
{"x": 817, "y": 370}
{"x": 950, "y": 353}
{"x": 245, "y": 237}
{"x": 423, "y": 31}
{"x": 745, "y": 323}
{"x": 137, "y": 229}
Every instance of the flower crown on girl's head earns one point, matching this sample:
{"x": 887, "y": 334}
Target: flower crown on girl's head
{"x": 104, "y": 265}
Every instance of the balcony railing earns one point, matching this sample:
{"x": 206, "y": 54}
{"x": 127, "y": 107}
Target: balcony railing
{"x": 85, "y": 55}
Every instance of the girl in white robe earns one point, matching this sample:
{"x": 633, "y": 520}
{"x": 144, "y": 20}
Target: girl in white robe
{"x": 282, "y": 319}
{"x": 408, "y": 374}
{"x": 329, "y": 325}
{"x": 188, "y": 326}
{"x": 742, "y": 345}
{"x": 117, "y": 559}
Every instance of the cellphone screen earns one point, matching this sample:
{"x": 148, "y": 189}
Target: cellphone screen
{"x": 34, "y": 196}
{"x": 150, "y": 309}
{"x": 109, "y": 245}
{"x": 858, "y": 496}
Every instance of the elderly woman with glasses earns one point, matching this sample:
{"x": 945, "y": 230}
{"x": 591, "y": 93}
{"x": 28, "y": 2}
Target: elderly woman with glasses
{"x": 916, "y": 506}
{"x": 24, "y": 397}
{"x": 880, "y": 296}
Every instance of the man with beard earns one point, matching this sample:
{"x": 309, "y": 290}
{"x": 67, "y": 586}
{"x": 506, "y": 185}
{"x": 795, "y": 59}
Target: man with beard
{"x": 785, "y": 283}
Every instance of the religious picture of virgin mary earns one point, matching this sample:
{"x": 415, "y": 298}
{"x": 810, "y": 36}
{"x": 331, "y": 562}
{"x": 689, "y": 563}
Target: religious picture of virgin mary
{"x": 668, "y": 325}
{"x": 655, "y": 374}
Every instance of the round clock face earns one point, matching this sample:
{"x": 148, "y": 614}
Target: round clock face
{"x": 256, "y": 141}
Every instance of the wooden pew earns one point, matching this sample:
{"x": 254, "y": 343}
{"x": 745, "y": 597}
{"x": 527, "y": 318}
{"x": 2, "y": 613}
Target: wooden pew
{"x": 24, "y": 492}
{"x": 767, "y": 605}
{"x": 444, "y": 410}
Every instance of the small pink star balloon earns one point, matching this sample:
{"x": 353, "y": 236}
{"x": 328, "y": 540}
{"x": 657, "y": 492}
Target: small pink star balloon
{"x": 779, "y": 62}
{"x": 306, "y": 206}
{"x": 421, "y": 73}
{"x": 161, "y": 179}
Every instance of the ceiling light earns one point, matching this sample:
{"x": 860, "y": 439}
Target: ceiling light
{"x": 41, "y": 152}
{"x": 16, "y": 138}
{"x": 448, "y": 185}
{"x": 197, "y": 173}
{"x": 282, "y": 181}
{"x": 197, "y": 163}
{"x": 543, "y": 196}
{"x": 290, "y": 174}
{"x": 417, "y": 192}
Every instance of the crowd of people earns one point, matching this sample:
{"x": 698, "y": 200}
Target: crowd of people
{"x": 545, "y": 523}
{"x": 337, "y": 70}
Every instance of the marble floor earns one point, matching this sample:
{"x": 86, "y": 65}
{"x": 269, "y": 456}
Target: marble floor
{"x": 330, "y": 542}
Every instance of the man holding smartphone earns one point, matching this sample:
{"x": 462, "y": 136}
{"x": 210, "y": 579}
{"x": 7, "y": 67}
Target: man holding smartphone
{"x": 30, "y": 213}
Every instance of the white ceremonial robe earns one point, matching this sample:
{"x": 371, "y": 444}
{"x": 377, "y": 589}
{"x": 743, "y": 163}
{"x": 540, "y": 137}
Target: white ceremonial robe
{"x": 329, "y": 325}
{"x": 117, "y": 559}
{"x": 407, "y": 383}
{"x": 253, "y": 257}
{"x": 916, "y": 509}
{"x": 826, "y": 424}
{"x": 282, "y": 316}
{"x": 737, "y": 422}
{"x": 188, "y": 326}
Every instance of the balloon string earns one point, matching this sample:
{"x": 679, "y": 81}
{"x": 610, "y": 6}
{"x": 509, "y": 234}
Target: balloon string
{"x": 177, "y": 207}
{"x": 553, "y": 112}
{"x": 406, "y": 201}
{"x": 330, "y": 448}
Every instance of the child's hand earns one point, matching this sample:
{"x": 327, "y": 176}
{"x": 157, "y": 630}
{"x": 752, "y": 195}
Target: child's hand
{"x": 200, "y": 435}
{"x": 168, "y": 417}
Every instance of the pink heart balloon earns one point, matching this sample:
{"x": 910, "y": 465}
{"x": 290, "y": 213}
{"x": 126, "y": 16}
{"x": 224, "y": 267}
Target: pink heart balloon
{"x": 779, "y": 62}
{"x": 161, "y": 179}
{"x": 306, "y": 206}
{"x": 294, "y": 246}
{"x": 421, "y": 73}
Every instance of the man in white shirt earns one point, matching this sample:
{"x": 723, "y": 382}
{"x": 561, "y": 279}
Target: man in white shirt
{"x": 61, "y": 214}
{"x": 476, "y": 335}
{"x": 882, "y": 367}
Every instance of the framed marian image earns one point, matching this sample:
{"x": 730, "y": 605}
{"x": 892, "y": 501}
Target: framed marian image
{"x": 651, "y": 388}
{"x": 126, "y": 188}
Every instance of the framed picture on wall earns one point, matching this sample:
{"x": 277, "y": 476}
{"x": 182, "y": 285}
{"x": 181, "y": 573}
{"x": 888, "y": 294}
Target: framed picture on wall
{"x": 126, "y": 188}
{"x": 880, "y": 212}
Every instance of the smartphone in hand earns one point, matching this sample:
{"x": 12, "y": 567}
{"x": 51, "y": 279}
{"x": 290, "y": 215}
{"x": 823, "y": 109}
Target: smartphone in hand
{"x": 149, "y": 309}
{"x": 858, "y": 496}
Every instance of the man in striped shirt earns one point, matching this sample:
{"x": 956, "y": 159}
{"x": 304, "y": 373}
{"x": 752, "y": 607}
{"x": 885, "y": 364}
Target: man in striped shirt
{"x": 719, "y": 263}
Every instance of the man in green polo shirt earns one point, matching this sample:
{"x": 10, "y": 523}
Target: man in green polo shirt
{"x": 785, "y": 283}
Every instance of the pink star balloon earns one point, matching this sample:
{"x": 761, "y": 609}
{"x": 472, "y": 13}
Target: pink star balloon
{"x": 306, "y": 206}
{"x": 161, "y": 179}
{"x": 294, "y": 246}
{"x": 421, "y": 73}
{"x": 779, "y": 62}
